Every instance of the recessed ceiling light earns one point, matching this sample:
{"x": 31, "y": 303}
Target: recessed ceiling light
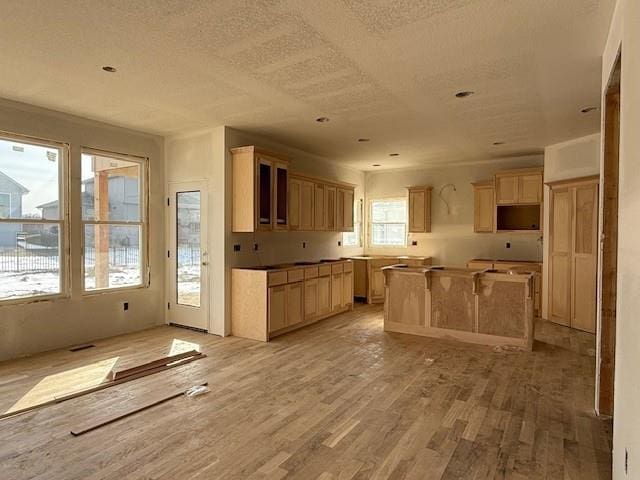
{"x": 322, "y": 119}
{"x": 588, "y": 109}
{"x": 376, "y": 165}
{"x": 394, "y": 154}
{"x": 109, "y": 69}
{"x": 498, "y": 143}
{"x": 464, "y": 94}
{"x": 363, "y": 139}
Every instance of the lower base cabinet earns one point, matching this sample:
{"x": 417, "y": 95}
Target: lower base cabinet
{"x": 268, "y": 302}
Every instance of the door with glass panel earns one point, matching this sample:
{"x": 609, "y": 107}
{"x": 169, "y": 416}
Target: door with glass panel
{"x": 188, "y": 258}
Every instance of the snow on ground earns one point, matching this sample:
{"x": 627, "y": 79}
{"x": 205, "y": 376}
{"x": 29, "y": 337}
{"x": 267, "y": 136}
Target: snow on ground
{"x": 25, "y": 284}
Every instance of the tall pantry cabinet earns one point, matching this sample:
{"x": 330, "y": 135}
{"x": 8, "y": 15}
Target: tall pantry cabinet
{"x": 573, "y": 253}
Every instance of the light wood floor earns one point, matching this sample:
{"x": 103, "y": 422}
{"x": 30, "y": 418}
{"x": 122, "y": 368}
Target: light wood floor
{"x": 338, "y": 400}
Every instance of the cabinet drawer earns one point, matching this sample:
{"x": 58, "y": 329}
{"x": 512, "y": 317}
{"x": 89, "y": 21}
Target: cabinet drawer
{"x": 311, "y": 272}
{"x": 337, "y": 268}
{"x": 276, "y": 278}
{"x": 296, "y": 275}
{"x": 324, "y": 270}
{"x": 348, "y": 266}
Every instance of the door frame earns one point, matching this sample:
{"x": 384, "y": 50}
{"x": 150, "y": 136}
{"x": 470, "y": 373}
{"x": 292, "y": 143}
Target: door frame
{"x": 608, "y": 251}
{"x": 201, "y": 185}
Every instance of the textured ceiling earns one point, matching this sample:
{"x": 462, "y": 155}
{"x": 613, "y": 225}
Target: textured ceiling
{"x": 381, "y": 69}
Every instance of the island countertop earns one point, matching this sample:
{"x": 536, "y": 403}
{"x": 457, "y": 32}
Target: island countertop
{"x": 490, "y": 307}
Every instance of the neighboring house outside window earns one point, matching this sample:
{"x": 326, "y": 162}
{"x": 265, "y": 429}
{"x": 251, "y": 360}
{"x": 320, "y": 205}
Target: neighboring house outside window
{"x": 32, "y": 245}
{"x": 388, "y": 222}
{"x": 113, "y": 199}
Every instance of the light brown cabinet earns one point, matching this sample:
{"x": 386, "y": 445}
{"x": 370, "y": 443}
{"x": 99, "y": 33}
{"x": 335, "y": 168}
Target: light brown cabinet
{"x": 324, "y": 295}
{"x": 330, "y": 207}
{"x": 270, "y": 301}
{"x": 521, "y": 186}
{"x": 573, "y": 253}
{"x": 483, "y": 207}
{"x": 319, "y": 211}
{"x": 419, "y": 209}
{"x": 295, "y": 305}
{"x": 260, "y": 182}
{"x": 368, "y": 279}
{"x": 319, "y": 205}
{"x": 277, "y": 308}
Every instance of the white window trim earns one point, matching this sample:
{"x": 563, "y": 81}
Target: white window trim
{"x": 359, "y": 203}
{"x": 143, "y": 223}
{"x": 370, "y": 222}
{"x": 64, "y": 233}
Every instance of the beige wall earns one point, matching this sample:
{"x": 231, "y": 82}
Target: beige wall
{"x": 575, "y": 158}
{"x": 205, "y": 155}
{"x": 625, "y": 32}
{"x": 452, "y": 240}
{"x": 36, "y": 327}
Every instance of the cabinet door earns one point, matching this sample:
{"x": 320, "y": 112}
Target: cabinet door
{"x": 330, "y": 207}
{"x": 417, "y": 212}
{"x": 347, "y": 218}
{"x": 307, "y": 192}
{"x": 530, "y": 188}
{"x": 585, "y": 214}
{"x": 264, "y": 196}
{"x": 319, "y": 215}
{"x": 294, "y": 303}
{"x": 347, "y": 288}
{"x": 484, "y": 210}
{"x": 560, "y": 256}
{"x": 324, "y": 295}
{"x": 310, "y": 299}
{"x": 506, "y": 189}
{"x": 277, "y": 308}
{"x": 376, "y": 282}
{"x": 294, "y": 204}
{"x": 336, "y": 291}
{"x": 340, "y": 210}
{"x": 281, "y": 196}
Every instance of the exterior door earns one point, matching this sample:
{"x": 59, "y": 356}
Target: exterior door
{"x": 188, "y": 259}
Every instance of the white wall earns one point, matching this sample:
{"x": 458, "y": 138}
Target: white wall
{"x": 46, "y": 325}
{"x": 625, "y": 31}
{"x": 575, "y": 158}
{"x": 205, "y": 155}
{"x": 452, "y": 240}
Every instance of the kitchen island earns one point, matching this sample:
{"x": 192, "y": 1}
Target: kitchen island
{"x": 491, "y": 307}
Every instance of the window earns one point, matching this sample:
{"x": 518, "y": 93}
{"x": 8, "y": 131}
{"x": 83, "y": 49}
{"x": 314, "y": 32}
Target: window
{"x": 32, "y": 218}
{"x": 113, "y": 197}
{"x": 354, "y": 239}
{"x": 388, "y": 223}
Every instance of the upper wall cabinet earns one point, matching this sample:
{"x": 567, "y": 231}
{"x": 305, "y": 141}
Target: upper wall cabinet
{"x": 260, "y": 190}
{"x": 519, "y": 186}
{"x": 419, "y": 209}
{"x": 484, "y": 207}
{"x": 320, "y": 205}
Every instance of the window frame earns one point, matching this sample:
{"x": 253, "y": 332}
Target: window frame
{"x": 370, "y": 222}
{"x": 358, "y": 207}
{"x": 143, "y": 223}
{"x": 63, "y": 222}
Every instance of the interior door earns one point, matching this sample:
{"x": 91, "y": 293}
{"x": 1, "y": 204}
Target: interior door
{"x": 560, "y": 255}
{"x": 188, "y": 259}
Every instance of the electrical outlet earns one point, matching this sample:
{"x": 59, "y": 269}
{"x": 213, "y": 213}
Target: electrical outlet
{"x": 508, "y": 245}
{"x": 414, "y": 243}
{"x": 236, "y": 247}
{"x": 255, "y": 247}
{"x": 125, "y": 306}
